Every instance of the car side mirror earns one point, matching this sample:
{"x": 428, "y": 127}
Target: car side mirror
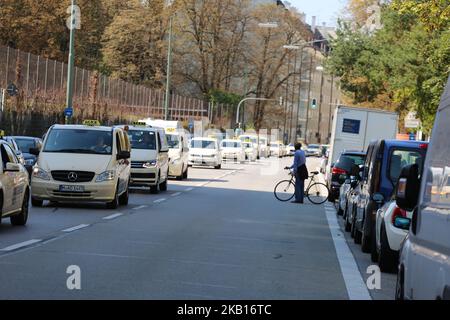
{"x": 378, "y": 198}
{"x": 35, "y": 151}
{"x": 342, "y": 178}
{"x": 408, "y": 187}
{"x": 402, "y": 223}
{"x": 12, "y": 167}
{"x": 124, "y": 155}
{"x": 347, "y": 181}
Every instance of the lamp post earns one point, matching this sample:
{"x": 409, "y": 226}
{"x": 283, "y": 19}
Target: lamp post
{"x": 71, "y": 62}
{"x": 320, "y": 69}
{"x": 169, "y": 65}
{"x": 255, "y": 99}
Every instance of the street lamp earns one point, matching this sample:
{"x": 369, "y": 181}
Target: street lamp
{"x": 169, "y": 65}
{"x": 71, "y": 63}
{"x": 256, "y": 99}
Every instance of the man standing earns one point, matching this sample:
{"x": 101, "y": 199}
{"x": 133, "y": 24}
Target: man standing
{"x": 299, "y": 169}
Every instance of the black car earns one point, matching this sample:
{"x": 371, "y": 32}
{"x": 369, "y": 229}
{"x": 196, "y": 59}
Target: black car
{"x": 341, "y": 169}
{"x": 25, "y": 144}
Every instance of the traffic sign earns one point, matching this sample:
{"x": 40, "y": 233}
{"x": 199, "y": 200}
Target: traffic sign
{"x": 411, "y": 120}
{"x": 412, "y": 137}
{"x": 12, "y": 90}
{"x": 68, "y": 112}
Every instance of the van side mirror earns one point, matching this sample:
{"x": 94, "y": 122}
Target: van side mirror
{"x": 124, "y": 155}
{"x": 402, "y": 223}
{"x": 408, "y": 187}
{"x": 35, "y": 151}
{"x": 12, "y": 167}
{"x": 378, "y": 198}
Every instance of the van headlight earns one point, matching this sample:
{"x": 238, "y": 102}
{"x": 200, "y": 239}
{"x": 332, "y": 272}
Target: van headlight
{"x": 38, "y": 173}
{"x": 105, "y": 176}
{"x": 150, "y": 164}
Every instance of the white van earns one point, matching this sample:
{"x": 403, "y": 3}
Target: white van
{"x": 85, "y": 162}
{"x": 424, "y": 267}
{"x": 205, "y": 151}
{"x": 149, "y": 157}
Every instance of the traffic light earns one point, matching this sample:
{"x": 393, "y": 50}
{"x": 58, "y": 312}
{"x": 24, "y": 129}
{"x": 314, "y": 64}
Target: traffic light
{"x": 314, "y": 104}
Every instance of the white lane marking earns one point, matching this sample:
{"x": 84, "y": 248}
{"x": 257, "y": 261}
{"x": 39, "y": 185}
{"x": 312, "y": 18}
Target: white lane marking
{"x": 160, "y": 200}
{"x": 176, "y": 194}
{"x": 80, "y": 226}
{"x": 189, "y": 189}
{"x": 21, "y": 245}
{"x": 356, "y": 287}
{"x": 113, "y": 216}
{"x": 140, "y": 207}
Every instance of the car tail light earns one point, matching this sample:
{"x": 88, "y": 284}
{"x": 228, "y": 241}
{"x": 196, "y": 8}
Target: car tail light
{"x": 398, "y": 213}
{"x": 338, "y": 171}
{"x": 423, "y": 146}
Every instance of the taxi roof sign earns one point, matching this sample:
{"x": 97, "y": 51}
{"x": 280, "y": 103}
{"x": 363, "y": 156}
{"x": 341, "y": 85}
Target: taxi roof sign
{"x": 2, "y": 133}
{"x": 171, "y": 130}
{"x": 139, "y": 124}
{"x": 91, "y": 123}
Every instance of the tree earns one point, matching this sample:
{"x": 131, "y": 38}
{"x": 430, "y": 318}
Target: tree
{"x": 134, "y": 46}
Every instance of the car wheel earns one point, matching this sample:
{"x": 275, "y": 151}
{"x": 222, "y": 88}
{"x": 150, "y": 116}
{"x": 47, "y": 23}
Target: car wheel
{"x": 37, "y": 203}
{"x": 387, "y": 258}
{"x": 181, "y": 176}
{"x": 163, "y": 186}
{"x": 348, "y": 225}
{"x": 124, "y": 198}
{"x": 399, "y": 288}
{"x": 365, "y": 238}
{"x": 340, "y": 212}
{"x": 185, "y": 174}
{"x": 219, "y": 166}
{"x": 114, "y": 204}
{"x": 355, "y": 232}
{"x": 21, "y": 218}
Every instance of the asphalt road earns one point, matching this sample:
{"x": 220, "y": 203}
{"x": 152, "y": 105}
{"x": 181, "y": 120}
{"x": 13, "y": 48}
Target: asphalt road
{"x": 219, "y": 235}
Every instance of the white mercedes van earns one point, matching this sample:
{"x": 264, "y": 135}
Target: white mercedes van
{"x": 424, "y": 267}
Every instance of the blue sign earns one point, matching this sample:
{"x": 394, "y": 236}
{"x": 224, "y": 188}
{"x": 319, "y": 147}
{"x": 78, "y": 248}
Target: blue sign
{"x": 68, "y": 112}
{"x": 351, "y": 126}
{"x": 412, "y": 137}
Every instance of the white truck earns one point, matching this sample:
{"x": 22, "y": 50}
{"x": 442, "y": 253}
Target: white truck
{"x": 354, "y": 128}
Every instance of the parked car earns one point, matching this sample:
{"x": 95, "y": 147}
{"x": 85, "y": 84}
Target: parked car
{"x": 277, "y": 149}
{"x": 350, "y": 183}
{"x": 341, "y": 170}
{"x": 290, "y": 150}
{"x": 424, "y": 268}
{"x": 389, "y": 235}
{"x": 232, "y": 150}
{"x": 251, "y": 152}
{"x": 25, "y": 144}
{"x": 384, "y": 162}
{"x": 313, "y": 150}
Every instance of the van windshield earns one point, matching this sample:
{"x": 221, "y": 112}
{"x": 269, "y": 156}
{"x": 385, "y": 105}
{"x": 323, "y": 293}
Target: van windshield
{"x": 79, "y": 141}
{"x": 203, "y": 144}
{"x": 231, "y": 144}
{"x": 142, "y": 139}
{"x": 401, "y": 158}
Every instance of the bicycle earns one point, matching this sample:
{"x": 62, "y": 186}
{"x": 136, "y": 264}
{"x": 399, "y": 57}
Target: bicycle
{"x": 316, "y": 192}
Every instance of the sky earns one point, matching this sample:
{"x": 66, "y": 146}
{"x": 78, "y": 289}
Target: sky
{"x": 325, "y": 10}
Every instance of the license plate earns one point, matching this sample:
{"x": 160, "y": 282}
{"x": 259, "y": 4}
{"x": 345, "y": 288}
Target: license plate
{"x": 71, "y": 188}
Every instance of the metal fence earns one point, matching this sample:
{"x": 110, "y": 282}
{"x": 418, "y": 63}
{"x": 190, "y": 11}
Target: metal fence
{"x": 42, "y": 84}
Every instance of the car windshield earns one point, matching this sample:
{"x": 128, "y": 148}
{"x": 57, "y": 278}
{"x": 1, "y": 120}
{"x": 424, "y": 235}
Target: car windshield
{"x": 274, "y": 145}
{"x": 313, "y": 146}
{"x": 79, "y": 141}
{"x": 142, "y": 139}
{"x": 402, "y": 158}
{"x": 173, "y": 140}
{"x": 231, "y": 144}
{"x": 203, "y": 144}
{"x": 25, "y": 144}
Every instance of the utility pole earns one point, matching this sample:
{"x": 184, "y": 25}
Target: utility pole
{"x": 71, "y": 63}
{"x": 291, "y": 109}
{"x": 169, "y": 66}
{"x": 299, "y": 92}
{"x": 320, "y": 106}
{"x": 287, "y": 101}
{"x": 309, "y": 95}
{"x": 331, "y": 107}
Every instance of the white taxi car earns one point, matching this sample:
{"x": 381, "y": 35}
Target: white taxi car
{"x": 85, "y": 162}
{"x": 277, "y": 149}
{"x": 232, "y": 150}
{"x": 178, "y": 153}
{"x": 251, "y": 153}
{"x": 205, "y": 151}
{"x": 14, "y": 187}
{"x": 149, "y": 157}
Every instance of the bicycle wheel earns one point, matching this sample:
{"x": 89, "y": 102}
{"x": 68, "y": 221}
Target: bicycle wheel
{"x": 317, "y": 193}
{"x": 284, "y": 190}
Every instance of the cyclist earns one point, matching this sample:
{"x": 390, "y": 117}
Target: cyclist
{"x": 300, "y": 171}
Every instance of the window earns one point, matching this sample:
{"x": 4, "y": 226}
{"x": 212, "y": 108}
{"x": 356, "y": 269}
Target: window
{"x": 26, "y": 144}
{"x": 231, "y": 144}
{"x": 203, "y": 144}
{"x": 79, "y": 141}
{"x": 402, "y": 158}
{"x": 7, "y": 155}
{"x": 142, "y": 140}
{"x": 173, "y": 141}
